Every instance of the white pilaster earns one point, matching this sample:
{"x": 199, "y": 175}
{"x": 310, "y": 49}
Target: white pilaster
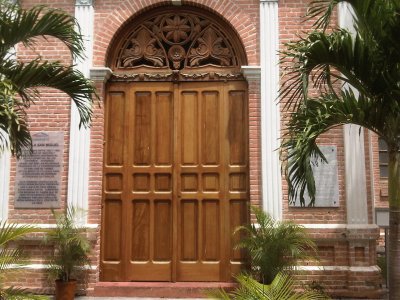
{"x": 4, "y": 183}
{"x": 270, "y": 109}
{"x": 5, "y": 163}
{"x": 356, "y": 186}
{"x": 78, "y": 174}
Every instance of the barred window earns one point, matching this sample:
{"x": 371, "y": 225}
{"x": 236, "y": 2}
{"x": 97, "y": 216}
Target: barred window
{"x": 383, "y": 158}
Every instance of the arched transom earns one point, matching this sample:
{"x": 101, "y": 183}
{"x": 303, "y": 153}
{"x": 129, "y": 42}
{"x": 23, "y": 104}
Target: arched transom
{"x": 178, "y": 43}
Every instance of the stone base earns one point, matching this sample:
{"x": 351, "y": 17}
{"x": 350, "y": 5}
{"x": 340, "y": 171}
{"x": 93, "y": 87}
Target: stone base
{"x": 342, "y": 282}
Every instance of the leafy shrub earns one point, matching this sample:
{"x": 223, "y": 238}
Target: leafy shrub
{"x": 274, "y": 246}
{"x": 281, "y": 288}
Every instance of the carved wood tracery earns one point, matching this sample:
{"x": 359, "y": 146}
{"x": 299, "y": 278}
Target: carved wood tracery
{"x": 178, "y": 44}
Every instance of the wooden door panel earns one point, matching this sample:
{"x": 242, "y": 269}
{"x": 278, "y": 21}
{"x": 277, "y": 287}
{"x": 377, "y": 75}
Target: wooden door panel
{"x": 164, "y": 119}
{"x": 113, "y": 216}
{"x": 189, "y": 209}
{"x": 237, "y": 106}
{"x": 140, "y": 243}
{"x": 200, "y": 163}
{"x": 210, "y": 124}
{"x": 195, "y": 271}
{"x": 113, "y": 184}
{"x": 142, "y": 128}
{"x": 115, "y": 128}
{"x": 151, "y": 249}
{"x": 237, "y": 173}
{"x": 163, "y": 231}
{"x": 150, "y": 194}
{"x": 175, "y": 181}
{"x": 112, "y": 261}
{"x": 211, "y": 222}
{"x": 189, "y": 127}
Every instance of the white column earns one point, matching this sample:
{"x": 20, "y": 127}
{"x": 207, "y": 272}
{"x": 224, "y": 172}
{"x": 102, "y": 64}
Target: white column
{"x": 4, "y": 183}
{"x": 5, "y": 166}
{"x": 78, "y": 174}
{"x": 356, "y": 186}
{"x": 270, "y": 109}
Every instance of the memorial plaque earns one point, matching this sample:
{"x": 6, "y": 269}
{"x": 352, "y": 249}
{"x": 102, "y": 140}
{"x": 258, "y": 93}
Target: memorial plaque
{"x": 38, "y": 178}
{"x": 326, "y": 180}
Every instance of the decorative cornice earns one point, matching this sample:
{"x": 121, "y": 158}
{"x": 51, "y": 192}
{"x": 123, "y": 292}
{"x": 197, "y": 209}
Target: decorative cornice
{"x": 84, "y": 2}
{"x": 176, "y": 76}
{"x": 251, "y": 72}
{"x": 269, "y": 1}
{"x": 323, "y": 226}
{"x": 100, "y": 74}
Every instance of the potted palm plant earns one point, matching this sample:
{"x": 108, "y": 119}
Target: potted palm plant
{"x": 71, "y": 253}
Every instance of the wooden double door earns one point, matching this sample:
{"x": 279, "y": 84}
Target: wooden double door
{"x": 176, "y": 180}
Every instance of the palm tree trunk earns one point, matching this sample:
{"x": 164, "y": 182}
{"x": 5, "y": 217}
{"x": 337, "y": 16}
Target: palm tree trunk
{"x": 394, "y": 224}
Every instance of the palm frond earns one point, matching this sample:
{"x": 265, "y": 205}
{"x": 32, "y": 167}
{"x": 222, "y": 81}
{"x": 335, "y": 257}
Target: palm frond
{"x": 16, "y": 293}
{"x": 13, "y": 258}
{"x": 14, "y": 132}
{"x": 323, "y": 58}
{"x": 322, "y": 10}
{"x": 10, "y": 232}
{"x": 364, "y": 59}
{"x": 319, "y": 115}
{"x": 379, "y": 12}
{"x": 280, "y": 288}
{"x": 28, "y": 76}
{"x": 18, "y": 25}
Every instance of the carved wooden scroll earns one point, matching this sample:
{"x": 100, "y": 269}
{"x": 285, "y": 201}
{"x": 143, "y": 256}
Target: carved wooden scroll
{"x": 177, "y": 44}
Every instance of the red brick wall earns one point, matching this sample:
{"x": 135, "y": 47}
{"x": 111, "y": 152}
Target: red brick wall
{"x": 51, "y": 113}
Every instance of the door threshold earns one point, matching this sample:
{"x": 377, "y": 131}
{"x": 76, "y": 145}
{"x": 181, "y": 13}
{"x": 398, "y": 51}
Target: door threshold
{"x": 158, "y": 289}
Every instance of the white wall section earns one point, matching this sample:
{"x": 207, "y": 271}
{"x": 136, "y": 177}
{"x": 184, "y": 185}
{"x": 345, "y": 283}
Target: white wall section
{"x": 4, "y": 183}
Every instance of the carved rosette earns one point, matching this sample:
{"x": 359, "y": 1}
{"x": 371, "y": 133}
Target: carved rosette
{"x": 174, "y": 42}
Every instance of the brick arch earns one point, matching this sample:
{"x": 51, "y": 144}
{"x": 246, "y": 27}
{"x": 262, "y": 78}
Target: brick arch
{"x": 111, "y": 16}
{"x": 121, "y": 14}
